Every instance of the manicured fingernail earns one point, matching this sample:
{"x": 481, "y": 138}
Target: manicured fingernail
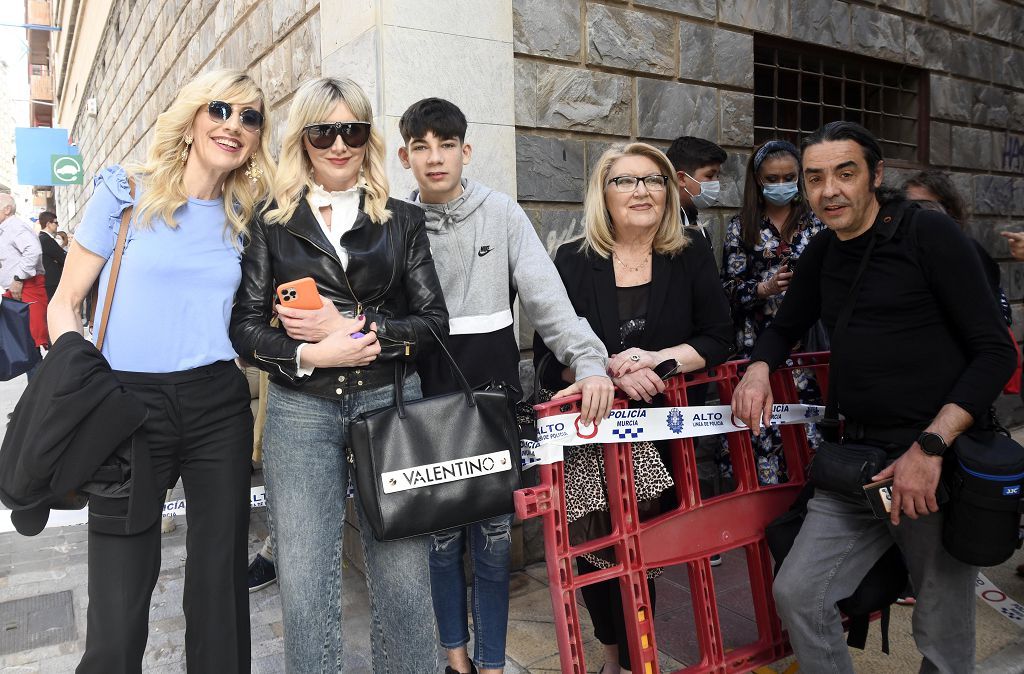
{"x": 361, "y": 317}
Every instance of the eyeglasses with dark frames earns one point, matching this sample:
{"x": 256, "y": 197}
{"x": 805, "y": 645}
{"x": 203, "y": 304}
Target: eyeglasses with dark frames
{"x": 250, "y": 118}
{"x": 322, "y": 136}
{"x": 655, "y": 182}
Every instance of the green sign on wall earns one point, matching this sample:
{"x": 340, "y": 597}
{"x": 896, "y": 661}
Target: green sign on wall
{"x": 66, "y": 169}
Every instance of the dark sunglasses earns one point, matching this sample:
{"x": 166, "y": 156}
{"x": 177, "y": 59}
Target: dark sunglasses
{"x": 249, "y": 118}
{"x": 353, "y": 134}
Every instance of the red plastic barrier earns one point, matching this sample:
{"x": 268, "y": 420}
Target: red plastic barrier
{"x": 691, "y": 532}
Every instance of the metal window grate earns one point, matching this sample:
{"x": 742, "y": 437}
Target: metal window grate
{"x": 797, "y": 90}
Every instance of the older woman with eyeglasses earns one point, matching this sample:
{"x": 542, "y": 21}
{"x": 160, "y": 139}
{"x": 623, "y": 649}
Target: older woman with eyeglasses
{"x": 332, "y": 220}
{"x": 167, "y": 342}
{"x": 652, "y": 296}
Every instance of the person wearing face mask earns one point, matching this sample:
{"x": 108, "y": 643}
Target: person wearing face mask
{"x": 697, "y": 164}
{"x": 762, "y": 245}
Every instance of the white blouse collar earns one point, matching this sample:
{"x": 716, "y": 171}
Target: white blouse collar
{"x": 321, "y": 198}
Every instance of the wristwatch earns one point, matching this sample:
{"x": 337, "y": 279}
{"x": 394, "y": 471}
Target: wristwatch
{"x": 666, "y": 368}
{"x": 932, "y": 444}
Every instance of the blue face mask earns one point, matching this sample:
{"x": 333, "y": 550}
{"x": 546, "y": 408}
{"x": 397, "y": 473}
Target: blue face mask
{"x": 780, "y": 194}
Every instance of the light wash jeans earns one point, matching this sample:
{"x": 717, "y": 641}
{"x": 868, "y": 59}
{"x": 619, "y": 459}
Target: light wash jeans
{"x": 490, "y": 546}
{"x": 307, "y": 471}
{"x": 839, "y": 542}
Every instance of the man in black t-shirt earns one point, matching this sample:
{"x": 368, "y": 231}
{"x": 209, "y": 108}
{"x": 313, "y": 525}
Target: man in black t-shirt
{"x": 922, "y": 358}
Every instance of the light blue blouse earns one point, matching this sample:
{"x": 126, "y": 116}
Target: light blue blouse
{"x": 175, "y": 289}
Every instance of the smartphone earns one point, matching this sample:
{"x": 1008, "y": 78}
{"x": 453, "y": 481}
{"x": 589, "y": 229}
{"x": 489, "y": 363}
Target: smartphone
{"x": 879, "y": 495}
{"x": 300, "y": 294}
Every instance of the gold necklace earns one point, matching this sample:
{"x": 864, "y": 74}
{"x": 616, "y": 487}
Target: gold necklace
{"x": 638, "y": 267}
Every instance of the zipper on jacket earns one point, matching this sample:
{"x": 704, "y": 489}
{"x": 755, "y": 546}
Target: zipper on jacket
{"x": 456, "y": 245}
{"x": 359, "y": 305}
{"x": 408, "y": 345}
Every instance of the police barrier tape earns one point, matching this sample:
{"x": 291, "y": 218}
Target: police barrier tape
{"x": 997, "y": 599}
{"x": 554, "y": 433}
{"x": 648, "y": 423}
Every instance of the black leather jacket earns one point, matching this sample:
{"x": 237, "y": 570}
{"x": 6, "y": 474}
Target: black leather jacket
{"x": 390, "y": 278}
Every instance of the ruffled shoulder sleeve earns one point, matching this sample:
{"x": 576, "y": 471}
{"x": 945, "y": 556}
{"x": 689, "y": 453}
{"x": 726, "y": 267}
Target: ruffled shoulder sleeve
{"x": 97, "y": 232}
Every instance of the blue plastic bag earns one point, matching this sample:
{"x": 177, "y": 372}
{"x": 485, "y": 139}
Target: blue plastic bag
{"x": 18, "y": 351}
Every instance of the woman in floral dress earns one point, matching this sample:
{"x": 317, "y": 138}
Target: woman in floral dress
{"x": 762, "y": 247}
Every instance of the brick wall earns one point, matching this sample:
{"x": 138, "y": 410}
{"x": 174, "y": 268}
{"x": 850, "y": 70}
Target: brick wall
{"x": 151, "y": 47}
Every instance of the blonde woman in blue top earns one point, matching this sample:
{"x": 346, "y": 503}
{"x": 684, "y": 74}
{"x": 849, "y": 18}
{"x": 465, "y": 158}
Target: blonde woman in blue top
{"x": 167, "y": 342}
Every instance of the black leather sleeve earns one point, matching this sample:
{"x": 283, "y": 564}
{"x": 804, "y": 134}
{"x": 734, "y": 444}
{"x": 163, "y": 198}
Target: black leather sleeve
{"x": 426, "y": 321}
{"x": 252, "y": 336}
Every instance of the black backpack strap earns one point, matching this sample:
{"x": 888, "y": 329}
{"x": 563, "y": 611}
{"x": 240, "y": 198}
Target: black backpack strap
{"x": 858, "y": 634}
{"x": 829, "y": 426}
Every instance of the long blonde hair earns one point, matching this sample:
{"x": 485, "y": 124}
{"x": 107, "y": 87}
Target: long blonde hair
{"x": 314, "y": 100}
{"x": 599, "y": 234}
{"x": 164, "y": 173}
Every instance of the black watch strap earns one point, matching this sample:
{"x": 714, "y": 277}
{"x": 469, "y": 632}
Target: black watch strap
{"x": 932, "y": 444}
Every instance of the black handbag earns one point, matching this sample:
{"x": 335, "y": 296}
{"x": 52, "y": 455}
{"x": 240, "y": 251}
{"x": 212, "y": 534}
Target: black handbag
{"x": 437, "y": 463}
{"x": 18, "y": 351}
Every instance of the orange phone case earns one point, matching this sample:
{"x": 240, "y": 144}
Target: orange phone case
{"x": 300, "y": 294}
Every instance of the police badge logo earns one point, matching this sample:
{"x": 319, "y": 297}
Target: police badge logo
{"x": 675, "y": 421}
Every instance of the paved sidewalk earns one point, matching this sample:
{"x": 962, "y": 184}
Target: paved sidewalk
{"x": 55, "y": 561}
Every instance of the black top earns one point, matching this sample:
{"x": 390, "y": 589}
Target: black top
{"x": 925, "y": 330}
{"x": 53, "y": 259}
{"x": 632, "y": 313}
{"x": 685, "y": 305}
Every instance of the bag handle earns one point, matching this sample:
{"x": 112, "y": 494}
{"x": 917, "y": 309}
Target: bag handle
{"x": 115, "y": 267}
{"x": 400, "y": 376}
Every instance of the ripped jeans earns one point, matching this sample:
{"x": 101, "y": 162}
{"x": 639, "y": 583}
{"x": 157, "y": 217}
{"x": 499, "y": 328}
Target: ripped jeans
{"x": 490, "y": 546}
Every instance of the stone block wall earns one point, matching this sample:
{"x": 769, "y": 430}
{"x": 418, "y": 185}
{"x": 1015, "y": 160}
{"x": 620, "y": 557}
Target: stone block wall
{"x": 150, "y": 48}
{"x": 590, "y": 73}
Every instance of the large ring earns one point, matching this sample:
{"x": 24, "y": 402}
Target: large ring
{"x": 635, "y": 358}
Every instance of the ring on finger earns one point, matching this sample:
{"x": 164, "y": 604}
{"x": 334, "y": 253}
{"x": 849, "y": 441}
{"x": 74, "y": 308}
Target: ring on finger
{"x": 635, "y": 358}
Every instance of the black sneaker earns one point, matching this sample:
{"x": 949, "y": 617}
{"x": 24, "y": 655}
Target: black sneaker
{"x": 261, "y": 573}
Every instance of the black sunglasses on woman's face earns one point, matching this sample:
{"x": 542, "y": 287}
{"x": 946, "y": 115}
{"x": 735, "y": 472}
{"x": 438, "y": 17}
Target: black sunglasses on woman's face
{"x": 322, "y": 136}
{"x": 250, "y": 118}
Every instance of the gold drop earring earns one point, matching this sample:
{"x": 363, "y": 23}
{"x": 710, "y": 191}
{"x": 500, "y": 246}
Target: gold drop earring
{"x": 253, "y": 170}
{"x": 188, "y": 146}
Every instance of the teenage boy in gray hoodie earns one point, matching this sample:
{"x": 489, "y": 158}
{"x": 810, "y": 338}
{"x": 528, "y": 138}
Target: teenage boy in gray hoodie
{"x": 486, "y": 252}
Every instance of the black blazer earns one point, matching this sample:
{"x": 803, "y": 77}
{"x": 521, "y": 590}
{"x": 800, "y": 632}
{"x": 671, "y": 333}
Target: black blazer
{"x": 687, "y": 303}
{"x": 53, "y": 261}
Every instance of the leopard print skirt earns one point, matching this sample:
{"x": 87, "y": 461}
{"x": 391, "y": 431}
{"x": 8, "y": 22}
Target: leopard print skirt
{"x": 586, "y": 493}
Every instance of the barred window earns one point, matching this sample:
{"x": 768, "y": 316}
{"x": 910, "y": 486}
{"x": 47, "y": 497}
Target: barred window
{"x": 798, "y": 88}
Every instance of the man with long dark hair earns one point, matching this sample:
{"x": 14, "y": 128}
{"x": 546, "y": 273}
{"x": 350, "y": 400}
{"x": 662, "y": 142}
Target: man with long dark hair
{"x": 920, "y": 361}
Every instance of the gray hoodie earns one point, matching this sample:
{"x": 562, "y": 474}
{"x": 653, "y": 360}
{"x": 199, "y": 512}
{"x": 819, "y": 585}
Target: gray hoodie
{"x": 483, "y": 245}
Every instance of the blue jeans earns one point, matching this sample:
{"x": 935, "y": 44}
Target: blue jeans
{"x": 838, "y": 544}
{"x": 307, "y": 472}
{"x": 490, "y": 544}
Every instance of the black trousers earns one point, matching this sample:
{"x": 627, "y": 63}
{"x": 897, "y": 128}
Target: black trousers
{"x": 199, "y": 428}
{"x": 604, "y": 602}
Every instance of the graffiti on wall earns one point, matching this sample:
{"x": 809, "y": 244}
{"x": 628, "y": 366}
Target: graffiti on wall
{"x": 1013, "y": 154}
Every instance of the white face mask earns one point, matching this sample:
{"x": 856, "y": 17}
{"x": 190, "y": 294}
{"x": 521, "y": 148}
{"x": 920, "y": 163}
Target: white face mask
{"x": 708, "y": 194}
